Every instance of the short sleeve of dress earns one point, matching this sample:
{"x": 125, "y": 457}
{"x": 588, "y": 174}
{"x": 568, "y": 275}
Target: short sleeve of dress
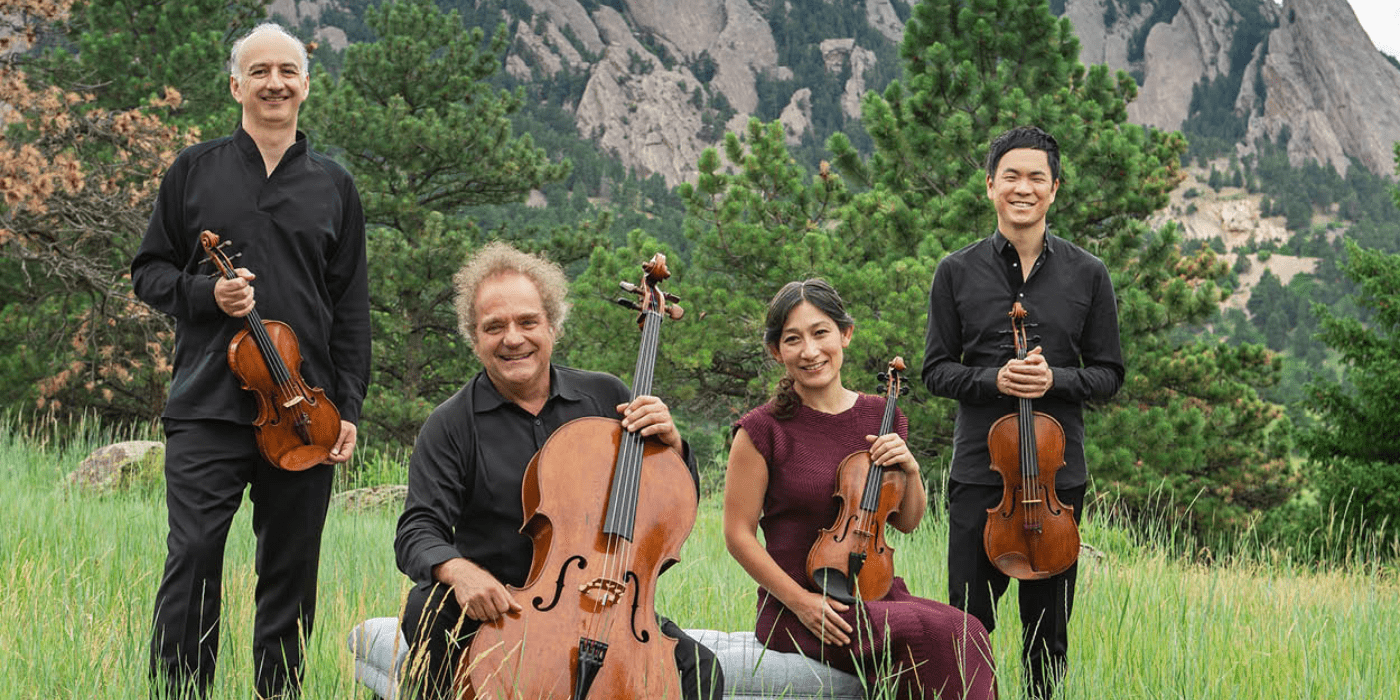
{"x": 759, "y": 424}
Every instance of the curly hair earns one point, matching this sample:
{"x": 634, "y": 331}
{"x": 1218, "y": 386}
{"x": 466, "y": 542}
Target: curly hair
{"x": 818, "y": 293}
{"x": 497, "y": 258}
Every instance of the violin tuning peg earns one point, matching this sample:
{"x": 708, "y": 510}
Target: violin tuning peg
{"x": 674, "y": 312}
{"x": 629, "y": 287}
{"x": 670, "y": 297}
{"x": 903, "y": 389}
{"x": 628, "y": 303}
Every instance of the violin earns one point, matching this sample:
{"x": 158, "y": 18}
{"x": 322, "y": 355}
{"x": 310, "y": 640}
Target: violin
{"x": 297, "y": 426}
{"x": 851, "y": 559}
{"x": 1030, "y": 535}
{"x": 606, "y": 510}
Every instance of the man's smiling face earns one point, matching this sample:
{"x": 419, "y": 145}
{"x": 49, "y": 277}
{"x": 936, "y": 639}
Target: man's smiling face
{"x": 1022, "y": 191}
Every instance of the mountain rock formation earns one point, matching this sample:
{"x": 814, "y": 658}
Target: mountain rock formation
{"x": 666, "y": 78}
{"x": 1316, "y": 75}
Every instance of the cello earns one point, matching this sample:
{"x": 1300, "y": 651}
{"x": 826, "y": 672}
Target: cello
{"x": 851, "y": 558}
{"x": 606, "y": 511}
{"x": 297, "y": 426}
{"x": 1030, "y": 535}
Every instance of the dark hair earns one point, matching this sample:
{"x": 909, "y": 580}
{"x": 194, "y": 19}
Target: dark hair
{"x": 818, "y": 293}
{"x": 1024, "y": 137}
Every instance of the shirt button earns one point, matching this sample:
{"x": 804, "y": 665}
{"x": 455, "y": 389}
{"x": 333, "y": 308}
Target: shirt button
{"x": 539, "y": 422}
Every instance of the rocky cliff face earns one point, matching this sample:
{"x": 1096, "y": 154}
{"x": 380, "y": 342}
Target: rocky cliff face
{"x": 1330, "y": 87}
{"x": 655, "y": 67}
{"x": 1322, "y": 79}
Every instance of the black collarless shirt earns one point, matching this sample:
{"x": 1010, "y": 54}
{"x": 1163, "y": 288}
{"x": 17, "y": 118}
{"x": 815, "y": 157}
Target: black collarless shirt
{"x": 467, "y": 466}
{"x": 1071, "y": 313}
{"x": 300, "y": 230}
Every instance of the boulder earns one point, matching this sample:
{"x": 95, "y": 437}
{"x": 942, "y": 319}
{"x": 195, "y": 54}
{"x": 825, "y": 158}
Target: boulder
{"x": 385, "y": 497}
{"x": 120, "y": 466}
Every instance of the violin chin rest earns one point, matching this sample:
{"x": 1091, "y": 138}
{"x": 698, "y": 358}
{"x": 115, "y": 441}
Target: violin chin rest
{"x": 834, "y": 584}
{"x": 302, "y": 458}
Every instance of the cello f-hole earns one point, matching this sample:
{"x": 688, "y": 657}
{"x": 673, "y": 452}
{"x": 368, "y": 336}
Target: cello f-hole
{"x": 559, "y": 583}
{"x": 640, "y": 635}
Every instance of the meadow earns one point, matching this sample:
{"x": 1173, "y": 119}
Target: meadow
{"x": 78, "y": 574}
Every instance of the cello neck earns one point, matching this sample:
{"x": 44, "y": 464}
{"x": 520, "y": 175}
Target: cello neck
{"x": 620, "y": 519}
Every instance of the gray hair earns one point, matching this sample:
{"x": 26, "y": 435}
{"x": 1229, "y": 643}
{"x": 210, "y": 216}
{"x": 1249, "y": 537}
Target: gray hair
{"x": 499, "y": 257}
{"x": 236, "y": 53}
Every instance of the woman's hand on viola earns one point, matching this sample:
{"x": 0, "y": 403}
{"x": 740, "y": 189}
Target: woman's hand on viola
{"x": 822, "y": 617}
{"x": 890, "y": 449}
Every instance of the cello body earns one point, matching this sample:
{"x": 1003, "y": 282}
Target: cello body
{"x": 582, "y": 584}
{"x": 606, "y": 511}
{"x": 1030, "y": 535}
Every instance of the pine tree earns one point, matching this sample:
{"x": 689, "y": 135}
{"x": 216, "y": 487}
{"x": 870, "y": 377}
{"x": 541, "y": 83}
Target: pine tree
{"x": 77, "y": 180}
{"x": 128, "y": 52}
{"x": 414, "y": 119}
{"x": 1353, "y": 451}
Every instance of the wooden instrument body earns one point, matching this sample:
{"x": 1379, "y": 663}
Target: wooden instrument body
{"x": 1030, "y": 535}
{"x": 1045, "y": 543}
{"x": 585, "y": 583}
{"x": 859, "y": 530}
{"x": 297, "y": 426}
{"x": 851, "y": 560}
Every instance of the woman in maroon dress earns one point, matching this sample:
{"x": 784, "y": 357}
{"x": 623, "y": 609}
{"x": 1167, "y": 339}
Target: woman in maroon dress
{"x": 781, "y": 476}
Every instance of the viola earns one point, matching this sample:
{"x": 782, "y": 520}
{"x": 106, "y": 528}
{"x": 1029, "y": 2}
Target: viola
{"x": 851, "y": 559}
{"x": 606, "y": 510}
{"x": 297, "y": 426}
{"x": 1030, "y": 535}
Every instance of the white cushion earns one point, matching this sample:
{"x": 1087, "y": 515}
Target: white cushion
{"x": 751, "y": 672}
{"x": 379, "y": 650}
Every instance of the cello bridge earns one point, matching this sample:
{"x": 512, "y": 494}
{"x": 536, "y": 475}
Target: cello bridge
{"x": 603, "y": 591}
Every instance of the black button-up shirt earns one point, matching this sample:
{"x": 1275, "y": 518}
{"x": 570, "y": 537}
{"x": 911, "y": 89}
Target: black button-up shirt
{"x": 469, "y": 460}
{"x": 1071, "y": 313}
{"x": 300, "y": 230}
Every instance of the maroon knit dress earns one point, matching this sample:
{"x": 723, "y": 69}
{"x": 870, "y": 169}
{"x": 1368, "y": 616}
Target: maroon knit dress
{"x": 936, "y": 650}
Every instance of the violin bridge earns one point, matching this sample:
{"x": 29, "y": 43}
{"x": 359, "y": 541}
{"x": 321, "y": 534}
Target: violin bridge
{"x": 293, "y": 401}
{"x": 603, "y": 591}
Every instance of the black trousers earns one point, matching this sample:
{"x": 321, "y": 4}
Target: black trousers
{"x": 975, "y": 585}
{"x": 436, "y": 642}
{"x": 207, "y": 466}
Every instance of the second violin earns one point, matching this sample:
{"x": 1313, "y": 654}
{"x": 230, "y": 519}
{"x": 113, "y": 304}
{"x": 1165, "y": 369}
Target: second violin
{"x": 851, "y": 559}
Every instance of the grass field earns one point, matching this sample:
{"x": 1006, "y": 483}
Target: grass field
{"x": 78, "y": 574}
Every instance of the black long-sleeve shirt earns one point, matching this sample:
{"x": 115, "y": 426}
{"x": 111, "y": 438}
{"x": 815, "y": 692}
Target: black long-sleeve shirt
{"x": 1068, "y": 297}
{"x": 301, "y": 231}
{"x": 467, "y": 466}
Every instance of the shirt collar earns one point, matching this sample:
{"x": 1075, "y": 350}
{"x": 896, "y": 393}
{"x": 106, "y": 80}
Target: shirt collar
{"x": 249, "y": 147}
{"x": 999, "y": 242}
{"x": 486, "y": 398}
